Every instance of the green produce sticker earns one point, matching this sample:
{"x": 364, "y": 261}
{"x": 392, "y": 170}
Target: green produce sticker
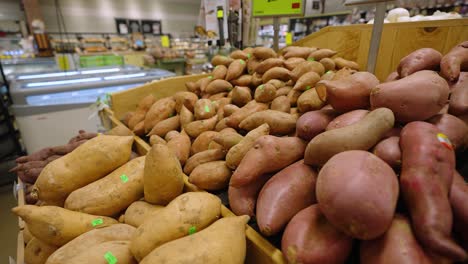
{"x": 242, "y": 62}
{"x": 96, "y": 222}
{"x": 307, "y": 87}
{"x": 124, "y": 178}
{"x": 110, "y": 258}
{"x": 311, "y": 59}
{"x": 207, "y": 109}
{"x": 248, "y": 55}
{"x": 260, "y": 87}
{"x": 210, "y": 77}
{"x": 192, "y": 230}
{"x": 328, "y": 72}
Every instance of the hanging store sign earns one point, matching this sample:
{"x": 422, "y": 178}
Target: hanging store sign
{"x": 270, "y": 8}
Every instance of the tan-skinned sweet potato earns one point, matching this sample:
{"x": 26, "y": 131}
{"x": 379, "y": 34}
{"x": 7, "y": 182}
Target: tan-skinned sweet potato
{"x": 285, "y": 194}
{"x": 252, "y": 64}
{"x": 155, "y": 139}
{"x": 264, "y": 53}
{"x": 360, "y": 216}
{"x": 343, "y": 63}
{"x": 293, "y": 96}
{"x": 428, "y": 165}
{"x": 418, "y": 60}
{"x": 328, "y": 63}
{"x": 313, "y": 123}
{"x": 283, "y": 91}
{"x": 306, "y": 67}
{"x": 280, "y": 123}
{"x": 160, "y": 110}
{"x": 281, "y": 103}
{"x": 248, "y": 109}
{"x": 243, "y": 199}
{"x": 137, "y": 117}
{"x": 195, "y": 128}
{"x": 389, "y": 151}
{"x": 458, "y": 104}
{"x": 244, "y": 80}
{"x": 203, "y": 83}
{"x": 193, "y": 87}
{"x": 163, "y": 127}
{"x": 219, "y": 72}
{"x": 221, "y": 60}
{"x": 201, "y": 142}
{"x": 309, "y": 101}
{"x": 180, "y": 145}
{"x": 278, "y": 73}
{"x": 221, "y": 124}
{"x": 186, "y": 116}
{"x": 211, "y": 176}
{"x": 455, "y": 129}
{"x": 397, "y": 245}
{"x": 139, "y": 129}
{"x": 241, "y": 95}
{"x": 218, "y": 86}
{"x": 454, "y": 62}
{"x": 203, "y": 157}
{"x": 347, "y": 119}
{"x": 277, "y": 83}
{"x": 137, "y": 212}
{"x": 291, "y": 63}
{"x": 267, "y": 64}
{"x": 228, "y": 139}
{"x": 427, "y": 97}
{"x": 235, "y": 69}
{"x": 310, "y": 238}
{"x": 118, "y": 250}
{"x": 265, "y": 93}
{"x": 360, "y": 136}
{"x": 294, "y": 52}
{"x": 268, "y": 154}
{"x": 307, "y": 81}
{"x": 126, "y": 117}
{"x": 204, "y": 109}
{"x": 229, "y": 109}
{"x": 321, "y": 54}
{"x": 256, "y": 79}
{"x": 239, "y": 55}
{"x": 185, "y": 98}
{"x": 37, "y": 252}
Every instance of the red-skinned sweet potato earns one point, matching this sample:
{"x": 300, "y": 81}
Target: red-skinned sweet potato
{"x": 347, "y": 119}
{"x": 313, "y": 123}
{"x": 310, "y": 238}
{"x": 458, "y": 104}
{"x": 392, "y": 77}
{"x": 358, "y": 192}
{"x": 397, "y": 245}
{"x": 454, "y": 62}
{"x": 242, "y": 200}
{"x": 286, "y": 193}
{"x": 418, "y": 60}
{"x": 268, "y": 154}
{"x": 454, "y": 128}
{"x": 389, "y": 151}
{"x": 428, "y": 164}
{"x": 458, "y": 201}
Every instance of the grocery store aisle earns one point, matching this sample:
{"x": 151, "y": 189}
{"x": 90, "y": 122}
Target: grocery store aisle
{"x": 8, "y": 224}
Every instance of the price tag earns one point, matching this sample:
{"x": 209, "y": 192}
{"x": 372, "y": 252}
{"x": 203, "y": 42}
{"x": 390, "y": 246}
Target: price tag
{"x": 165, "y": 41}
{"x": 277, "y": 8}
{"x": 289, "y": 38}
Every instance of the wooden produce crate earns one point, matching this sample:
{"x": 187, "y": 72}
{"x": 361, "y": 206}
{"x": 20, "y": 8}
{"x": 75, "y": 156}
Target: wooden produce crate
{"x": 259, "y": 250}
{"x": 398, "y": 40}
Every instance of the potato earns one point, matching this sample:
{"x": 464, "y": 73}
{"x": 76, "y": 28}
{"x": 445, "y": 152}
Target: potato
{"x": 193, "y": 87}
{"x": 221, "y": 124}
{"x": 203, "y": 157}
{"x": 201, "y": 142}
{"x": 229, "y": 109}
{"x": 239, "y": 54}
{"x": 74, "y": 170}
{"x": 347, "y": 119}
{"x": 348, "y": 209}
{"x": 268, "y": 154}
{"x": 185, "y": 98}
{"x": 267, "y": 64}
{"x": 211, "y": 176}
{"x": 458, "y": 104}
{"x": 321, "y": 54}
{"x": 281, "y": 103}
{"x": 221, "y": 60}
{"x": 454, "y": 62}
{"x": 244, "y": 80}
{"x": 136, "y": 118}
{"x": 397, "y": 245}
{"x": 228, "y": 139}
{"x": 306, "y": 67}
{"x": 180, "y": 146}
{"x": 163, "y": 177}
{"x": 349, "y": 93}
{"x": 455, "y": 129}
{"x": 248, "y": 109}
{"x": 222, "y": 242}
{"x": 162, "y": 109}
{"x": 104, "y": 253}
{"x": 195, "y": 128}
{"x": 280, "y": 123}
{"x": 292, "y": 63}
{"x": 277, "y": 83}
{"x": 193, "y": 210}
{"x": 218, "y": 86}
{"x": 310, "y": 238}
{"x": 243, "y": 199}
{"x": 57, "y": 225}
{"x": 203, "y": 83}
{"x": 342, "y": 63}
{"x": 283, "y": 91}
{"x": 418, "y": 60}
{"x": 429, "y": 95}
{"x": 279, "y": 73}
{"x": 301, "y": 52}
{"x": 309, "y": 101}
{"x": 422, "y": 173}
{"x": 161, "y": 128}
{"x": 293, "y": 96}
{"x": 313, "y": 123}
{"x": 235, "y": 69}
{"x": 219, "y": 72}
{"x": 264, "y": 53}
{"x": 237, "y": 152}
{"x": 37, "y": 252}
{"x": 256, "y": 80}
{"x": 265, "y": 93}
{"x": 252, "y": 64}
{"x": 138, "y": 211}
{"x": 285, "y": 194}
{"x": 89, "y": 240}
{"x": 241, "y": 95}
{"x": 186, "y": 116}
{"x": 359, "y": 136}
{"x": 111, "y": 194}
{"x": 328, "y": 64}
{"x": 389, "y": 151}
{"x": 307, "y": 81}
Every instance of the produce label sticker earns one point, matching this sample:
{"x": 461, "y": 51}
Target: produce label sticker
{"x": 96, "y": 222}
{"x": 110, "y": 258}
{"x": 124, "y": 178}
{"x": 311, "y": 59}
{"x": 307, "y": 87}
{"x": 210, "y": 77}
{"x": 260, "y": 87}
{"x": 328, "y": 72}
{"x": 242, "y": 62}
{"x": 207, "y": 109}
{"x": 248, "y": 55}
{"x": 192, "y": 230}
{"x": 445, "y": 141}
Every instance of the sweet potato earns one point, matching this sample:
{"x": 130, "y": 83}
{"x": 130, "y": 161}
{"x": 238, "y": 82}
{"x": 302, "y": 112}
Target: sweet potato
{"x": 416, "y": 97}
{"x": 241, "y": 95}
{"x": 146, "y": 102}
{"x": 309, "y": 101}
{"x": 244, "y": 80}
{"x": 328, "y": 64}
{"x": 186, "y": 212}
{"x": 264, "y": 53}
{"x": 219, "y": 72}
{"x": 293, "y": 96}
{"x": 268, "y": 154}
{"x": 310, "y": 238}
{"x": 454, "y": 62}
{"x": 163, "y": 127}
{"x": 321, "y": 54}
{"x": 397, "y": 245}
{"x": 155, "y": 139}
{"x": 111, "y": 194}
{"x": 81, "y": 136}
{"x": 90, "y": 239}
{"x": 243, "y": 199}
{"x": 195, "y": 128}
{"x": 204, "y": 109}
{"x": 392, "y": 77}
{"x": 221, "y": 124}
{"x": 248, "y": 109}
{"x": 455, "y": 129}
{"x": 104, "y": 253}
{"x": 389, "y": 151}
{"x": 75, "y": 170}
{"x": 221, "y": 60}
{"x": 218, "y": 86}
{"x": 222, "y": 242}
{"x": 57, "y": 225}
{"x": 283, "y": 91}
{"x": 37, "y": 252}
{"x": 237, "y": 152}
{"x": 119, "y": 130}
{"x": 347, "y": 119}
{"x": 252, "y": 64}
{"x": 162, "y": 109}
{"x": 193, "y": 87}
{"x": 313, "y": 123}
{"x": 418, "y": 60}
{"x": 139, "y": 129}
{"x": 458, "y": 197}
{"x": 281, "y": 103}
{"x": 228, "y": 139}
{"x": 285, "y": 194}
{"x": 229, "y": 109}
{"x": 292, "y": 63}
{"x": 180, "y": 146}
{"x": 307, "y": 81}
{"x": 343, "y": 73}
{"x": 306, "y": 67}
{"x": 211, "y": 176}
{"x": 458, "y": 104}
{"x": 267, "y": 64}
{"x": 203, "y": 157}
{"x": 138, "y": 211}
{"x": 185, "y": 98}
{"x": 201, "y": 142}
{"x": 239, "y": 54}
{"x": 256, "y": 79}
{"x": 136, "y": 118}
{"x": 265, "y": 93}
{"x": 279, "y": 73}
{"x": 235, "y": 69}
{"x": 342, "y": 63}
{"x": 349, "y": 93}
{"x": 359, "y": 136}
{"x": 186, "y": 116}
{"x": 163, "y": 176}
{"x": 126, "y": 117}
{"x": 42, "y": 154}
{"x": 301, "y": 52}
{"x": 280, "y": 123}
{"x": 428, "y": 164}
{"x": 203, "y": 83}
{"x": 360, "y": 216}
{"x": 277, "y": 83}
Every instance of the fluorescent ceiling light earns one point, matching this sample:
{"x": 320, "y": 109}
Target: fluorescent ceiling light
{"x": 46, "y": 75}
{"x": 126, "y": 76}
{"x": 100, "y": 71}
{"x": 38, "y": 84}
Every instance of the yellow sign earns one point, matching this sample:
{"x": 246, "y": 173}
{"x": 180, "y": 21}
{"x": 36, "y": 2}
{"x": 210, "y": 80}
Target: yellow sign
{"x": 289, "y": 38}
{"x": 220, "y": 14}
{"x": 165, "y": 42}
{"x": 277, "y": 8}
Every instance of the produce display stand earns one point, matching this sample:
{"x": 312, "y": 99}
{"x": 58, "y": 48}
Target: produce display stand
{"x": 352, "y": 42}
